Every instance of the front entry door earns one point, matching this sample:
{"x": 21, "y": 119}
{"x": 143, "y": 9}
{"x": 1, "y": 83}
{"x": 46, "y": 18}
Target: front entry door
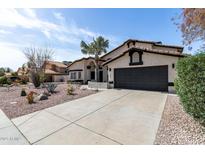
{"x": 101, "y": 76}
{"x": 92, "y": 75}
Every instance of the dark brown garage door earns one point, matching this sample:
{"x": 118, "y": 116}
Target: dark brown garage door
{"x": 143, "y": 78}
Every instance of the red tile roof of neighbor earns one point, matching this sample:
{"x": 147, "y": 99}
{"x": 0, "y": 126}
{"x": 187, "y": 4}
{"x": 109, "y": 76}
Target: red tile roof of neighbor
{"x": 59, "y": 64}
{"x": 51, "y": 72}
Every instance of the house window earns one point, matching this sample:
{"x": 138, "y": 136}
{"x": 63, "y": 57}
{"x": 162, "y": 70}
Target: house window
{"x": 73, "y": 75}
{"x": 79, "y": 75}
{"x": 135, "y": 57}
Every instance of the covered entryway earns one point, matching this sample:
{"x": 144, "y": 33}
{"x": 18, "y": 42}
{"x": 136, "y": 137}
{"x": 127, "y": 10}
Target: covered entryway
{"x": 143, "y": 78}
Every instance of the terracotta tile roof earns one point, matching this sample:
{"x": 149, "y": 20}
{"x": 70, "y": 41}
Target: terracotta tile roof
{"x": 156, "y": 51}
{"x": 144, "y": 41}
{"x": 51, "y": 72}
{"x": 58, "y": 64}
{"x": 80, "y": 60}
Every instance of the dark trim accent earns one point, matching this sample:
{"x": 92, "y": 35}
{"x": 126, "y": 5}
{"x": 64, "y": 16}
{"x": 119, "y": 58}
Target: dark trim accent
{"x": 131, "y": 52}
{"x": 75, "y": 70}
{"x": 76, "y": 81}
{"x": 170, "y": 83}
{"x": 137, "y": 63}
{"x": 110, "y": 82}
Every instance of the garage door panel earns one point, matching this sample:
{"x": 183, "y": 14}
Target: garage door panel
{"x": 144, "y": 78}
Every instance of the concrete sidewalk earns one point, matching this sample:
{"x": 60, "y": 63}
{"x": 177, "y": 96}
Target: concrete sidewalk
{"x": 108, "y": 117}
{"x": 9, "y": 134}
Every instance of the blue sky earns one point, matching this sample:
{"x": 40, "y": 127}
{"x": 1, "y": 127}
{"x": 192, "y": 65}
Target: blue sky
{"x": 63, "y": 29}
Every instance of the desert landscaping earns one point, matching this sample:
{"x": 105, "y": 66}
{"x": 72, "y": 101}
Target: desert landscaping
{"x": 15, "y": 105}
{"x": 178, "y": 127}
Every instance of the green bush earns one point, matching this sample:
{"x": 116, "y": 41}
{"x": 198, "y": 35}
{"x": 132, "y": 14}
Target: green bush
{"x": 190, "y": 85}
{"x": 2, "y": 71}
{"x": 4, "y": 80}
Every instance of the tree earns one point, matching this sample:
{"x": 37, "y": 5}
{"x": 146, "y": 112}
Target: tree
{"x": 8, "y": 70}
{"x": 36, "y": 59}
{"x": 96, "y": 48}
{"x": 2, "y": 71}
{"x": 191, "y": 22}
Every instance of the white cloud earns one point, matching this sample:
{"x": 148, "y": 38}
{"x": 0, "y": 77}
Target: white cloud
{"x": 46, "y": 33}
{"x": 60, "y": 31}
{"x": 13, "y": 18}
{"x": 30, "y": 13}
{"x": 11, "y": 56}
{"x": 58, "y": 16}
{"x": 4, "y": 31}
{"x": 27, "y": 18}
{"x": 66, "y": 55}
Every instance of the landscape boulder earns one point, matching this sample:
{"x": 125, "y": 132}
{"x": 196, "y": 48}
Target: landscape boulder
{"x": 40, "y": 97}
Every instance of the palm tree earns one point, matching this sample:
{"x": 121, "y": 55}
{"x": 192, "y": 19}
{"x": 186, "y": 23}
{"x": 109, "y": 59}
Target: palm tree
{"x": 96, "y": 48}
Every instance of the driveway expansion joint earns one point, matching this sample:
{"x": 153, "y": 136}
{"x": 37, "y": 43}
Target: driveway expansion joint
{"x": 27, "y": 119}
{"x": 58, "y": 116}
{"x": 98, "y": 133}
{"x": 100, "y": 107}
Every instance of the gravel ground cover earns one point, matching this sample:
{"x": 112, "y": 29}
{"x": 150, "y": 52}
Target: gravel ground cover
{"x": 177, "y": 127}
{"x": 14, "y": 105}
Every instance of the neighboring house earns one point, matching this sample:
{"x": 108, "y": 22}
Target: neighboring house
{"x": 55, "y": 71}
{"x": 135, "y": 64}
{"x": 22, "y": 71}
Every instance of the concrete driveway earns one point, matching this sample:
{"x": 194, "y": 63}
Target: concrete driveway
{"x": 108, "y": 117}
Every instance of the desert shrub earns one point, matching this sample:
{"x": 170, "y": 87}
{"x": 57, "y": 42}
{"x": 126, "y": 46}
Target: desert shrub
{"x": 2, "y": 73}
{"x": 15, "y": 74}
{"x": 51, "y": 87}
{"x": 42, "y": 77}
{"x": 30, "y": 97}
{"x": 23, "y": 92}
{"x": 35, "y": 78}
{"x": 70, "y": 89}
{"x": 4, "y": 80}
{"x": 24, "y": 79}
{"x": 190, "y": 85}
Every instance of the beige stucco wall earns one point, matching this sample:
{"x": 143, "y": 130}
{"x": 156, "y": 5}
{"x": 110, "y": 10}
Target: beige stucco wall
{"x": 149, "y": 59}
{"x": 76, "y": 66}
{"x": 87, "y": 71}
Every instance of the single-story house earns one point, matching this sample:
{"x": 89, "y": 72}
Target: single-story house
{"x": 83, "y": 70}
{"x": 55, "y": 71}
{"x": 135, "y": 64}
